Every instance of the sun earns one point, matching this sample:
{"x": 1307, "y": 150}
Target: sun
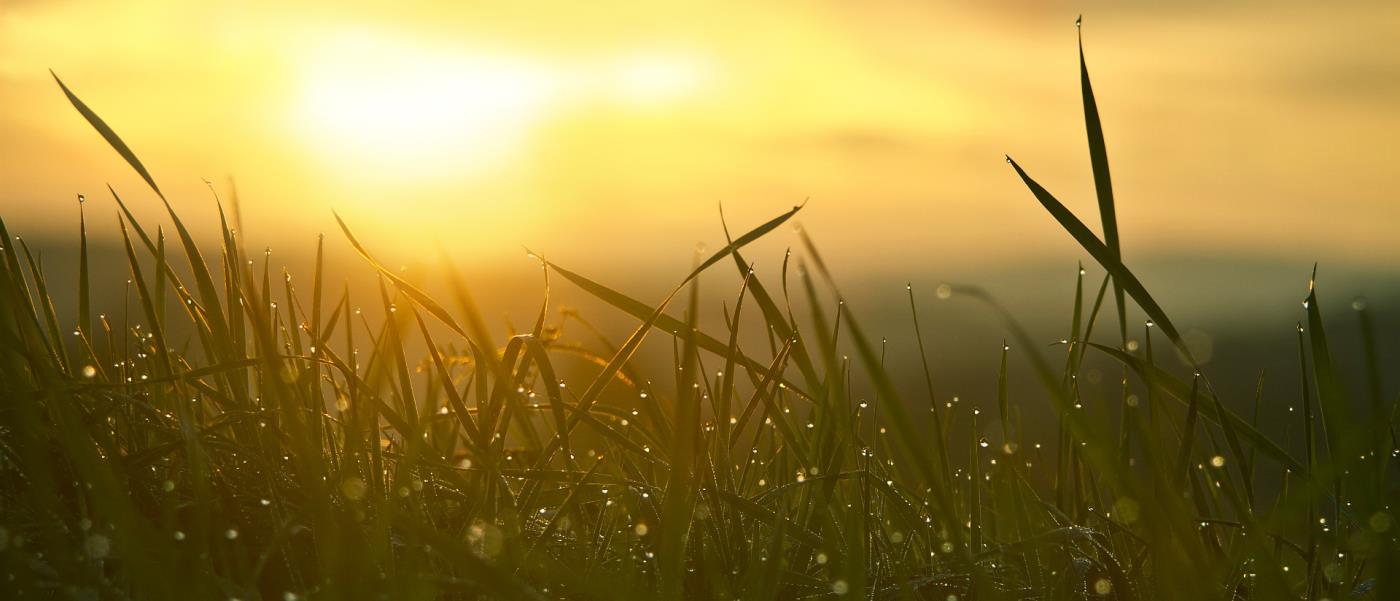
{"x": 369, "y": 100}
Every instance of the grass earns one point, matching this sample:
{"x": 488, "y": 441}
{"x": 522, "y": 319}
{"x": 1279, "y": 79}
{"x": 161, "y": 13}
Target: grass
{"x": 266, "y": 441}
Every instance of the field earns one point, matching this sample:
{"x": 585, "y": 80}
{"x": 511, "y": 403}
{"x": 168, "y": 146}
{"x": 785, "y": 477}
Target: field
{"x": 216, "y": 432}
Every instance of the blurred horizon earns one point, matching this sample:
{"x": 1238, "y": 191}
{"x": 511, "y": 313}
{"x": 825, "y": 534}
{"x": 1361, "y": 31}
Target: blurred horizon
{"x": 612, "y": 133}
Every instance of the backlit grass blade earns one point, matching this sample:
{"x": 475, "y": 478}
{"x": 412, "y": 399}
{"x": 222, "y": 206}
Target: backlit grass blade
{"x": 1003, "y": 397}
{"x": 1338, "y": 422}
{"x": 1103, "y": 183}
{"x": 1101, "y": 253}
{"x": 84, "y": 287}
{"x": 1165, "y": 382}
{"x": 418, "y": 296}
{"x": 781, "y": 324}
{"x": 1236, "y": 449}
{"x": 208, "y": 293}
{"x": 677, "y": 507}
{"x": 939, "y": 433}
{"x": 107, "y": 134}
{"x": 459, "y": 408}
{"x": 1188, "y": 432}
{"x": 654, "y": 317}
{"x": 46, "y": 308}
{"x": 724, "y": 408}
{"x": 1250, "y": 462}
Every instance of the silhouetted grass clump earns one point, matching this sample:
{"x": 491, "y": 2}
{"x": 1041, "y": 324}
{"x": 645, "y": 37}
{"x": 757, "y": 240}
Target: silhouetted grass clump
{"x": 290, "y": 446}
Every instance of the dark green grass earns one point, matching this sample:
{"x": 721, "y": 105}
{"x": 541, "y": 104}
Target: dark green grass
{"x": 290, "y": 445}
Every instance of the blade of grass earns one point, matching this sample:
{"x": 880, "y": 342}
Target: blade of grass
{"x": 1103, "y": 183}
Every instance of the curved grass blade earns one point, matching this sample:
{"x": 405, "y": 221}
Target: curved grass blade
{"x": 418, "y": 296}
{"x": 208, "y": 293}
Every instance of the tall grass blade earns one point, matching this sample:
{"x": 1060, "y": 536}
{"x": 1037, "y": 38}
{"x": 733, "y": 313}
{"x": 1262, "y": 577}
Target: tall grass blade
{"x": 1101, "y": 253}
{"x": 107, "y": 134}
{"x": 1103, "y": 183}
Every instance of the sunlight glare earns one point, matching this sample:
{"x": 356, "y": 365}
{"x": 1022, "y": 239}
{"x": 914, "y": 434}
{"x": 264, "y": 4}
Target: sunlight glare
{"x": 374, "y": 100}
{"x": 657, "y": 78}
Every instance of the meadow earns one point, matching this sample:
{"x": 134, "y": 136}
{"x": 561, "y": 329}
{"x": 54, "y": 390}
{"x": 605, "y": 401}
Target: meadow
{"x": 220, "y": 429}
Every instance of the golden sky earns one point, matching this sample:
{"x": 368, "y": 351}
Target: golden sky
{"x": 609, "y": 129}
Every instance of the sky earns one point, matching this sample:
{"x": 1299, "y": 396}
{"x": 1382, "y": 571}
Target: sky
{"x": 611, "y": 132}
